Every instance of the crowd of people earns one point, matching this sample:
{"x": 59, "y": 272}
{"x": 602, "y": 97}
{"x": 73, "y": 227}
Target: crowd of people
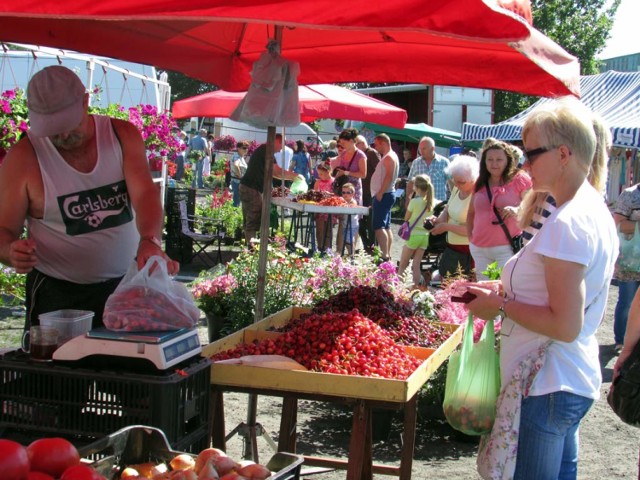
{"x": 539, "y": 214}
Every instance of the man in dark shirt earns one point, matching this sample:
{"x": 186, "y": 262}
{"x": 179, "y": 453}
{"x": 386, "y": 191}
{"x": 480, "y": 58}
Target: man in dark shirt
{"x": 251, "y": 187}
{"x": 365, "y": 229}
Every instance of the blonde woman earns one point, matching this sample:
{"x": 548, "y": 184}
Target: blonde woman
{"x": 420, "y": 207}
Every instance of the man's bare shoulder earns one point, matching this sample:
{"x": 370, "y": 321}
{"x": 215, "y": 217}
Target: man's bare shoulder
{"x": 21, "y": 161}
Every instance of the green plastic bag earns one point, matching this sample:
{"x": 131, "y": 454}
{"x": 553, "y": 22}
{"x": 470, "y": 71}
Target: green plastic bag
{"x": 473, "y": 382}
{"x": 299, "y": 185}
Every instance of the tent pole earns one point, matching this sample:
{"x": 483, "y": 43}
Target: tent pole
{"x": 250, "y": 449}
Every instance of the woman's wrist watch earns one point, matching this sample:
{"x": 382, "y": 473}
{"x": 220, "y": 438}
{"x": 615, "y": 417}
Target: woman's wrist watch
{"x": 501, "y": 312}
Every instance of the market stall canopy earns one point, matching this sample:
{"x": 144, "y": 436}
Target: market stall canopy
{"x": 316, "y": 101}
{"x": 413, "y": 132}
{"x": 613, "y": 95}
{"x": 217, "y": 41}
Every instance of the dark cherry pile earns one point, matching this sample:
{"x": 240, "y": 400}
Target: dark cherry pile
{"x": 313, "y": 196}
{"x": 341, "y": 343}
{"x": 380, "y": 306}
{"x": 280, "y": 192}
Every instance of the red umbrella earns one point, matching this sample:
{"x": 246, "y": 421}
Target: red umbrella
{"x": 316, "y": 101}
{"x": 472, "y": 43}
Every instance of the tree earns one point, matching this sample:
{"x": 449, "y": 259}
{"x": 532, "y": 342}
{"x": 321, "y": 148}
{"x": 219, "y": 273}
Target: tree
{"x": 185, "y": 87}
{"x": 581, "y": 27}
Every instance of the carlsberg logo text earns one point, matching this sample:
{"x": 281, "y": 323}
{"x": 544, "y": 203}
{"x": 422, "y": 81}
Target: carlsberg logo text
{"x": 74, "y": 207}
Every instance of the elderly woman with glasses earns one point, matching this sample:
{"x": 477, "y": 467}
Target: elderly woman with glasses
{"x": 456, "y": 258}
{"x": 492, "y": 220}
{"x": 551, "y": 297}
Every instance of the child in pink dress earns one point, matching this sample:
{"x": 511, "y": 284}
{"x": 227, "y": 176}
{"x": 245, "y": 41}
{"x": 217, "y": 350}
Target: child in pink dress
{"x": 324, "y": 183}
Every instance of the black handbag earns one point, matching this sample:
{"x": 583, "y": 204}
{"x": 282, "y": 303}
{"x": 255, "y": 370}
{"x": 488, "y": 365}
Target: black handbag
{"x": 339, "y": 182}
{"x": 516, "y": 241}
{"x": 624, "y": 395}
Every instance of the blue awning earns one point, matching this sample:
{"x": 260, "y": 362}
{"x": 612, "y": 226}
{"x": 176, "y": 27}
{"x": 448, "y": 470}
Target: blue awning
{"x": 613, "y": 95}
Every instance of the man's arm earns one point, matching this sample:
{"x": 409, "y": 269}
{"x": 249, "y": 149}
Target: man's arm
{"x": 144, "y": 194}
{"x": 19, "y": 166}
{"x": 286, "y": 174}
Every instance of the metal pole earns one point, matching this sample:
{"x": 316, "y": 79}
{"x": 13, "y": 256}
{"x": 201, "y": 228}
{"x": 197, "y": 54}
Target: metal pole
{"x": 252, "y": 408}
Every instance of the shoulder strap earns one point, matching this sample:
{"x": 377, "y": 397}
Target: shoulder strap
{"x": 418, "y": 217}
{"x": 495, "y": 210}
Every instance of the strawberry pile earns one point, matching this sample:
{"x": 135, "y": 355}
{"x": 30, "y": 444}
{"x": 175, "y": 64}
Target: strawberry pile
{"x": 397, "y": 318}
{"x": 342, "y": 343}
{"x": 333, "y": 201}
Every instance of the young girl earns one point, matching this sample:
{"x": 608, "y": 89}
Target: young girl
{"x": 420, "y": 208}
{"x": 324, "y": 183}
{"x": 348, "y": 234}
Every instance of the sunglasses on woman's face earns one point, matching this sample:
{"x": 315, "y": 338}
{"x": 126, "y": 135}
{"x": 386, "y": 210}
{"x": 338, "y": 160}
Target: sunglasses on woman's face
{"x": 344, "y": 192}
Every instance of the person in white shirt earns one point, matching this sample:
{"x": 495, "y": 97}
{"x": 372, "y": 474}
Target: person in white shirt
{"x": 554, "y": 295}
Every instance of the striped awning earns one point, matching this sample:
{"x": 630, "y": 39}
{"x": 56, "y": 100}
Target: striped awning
{"x": 613, "y": 95}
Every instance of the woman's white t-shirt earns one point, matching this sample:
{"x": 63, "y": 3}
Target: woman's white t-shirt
{"x": 582, "y": 231}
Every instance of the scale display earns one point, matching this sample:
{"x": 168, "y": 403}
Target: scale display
{"x": 162, "y": 349}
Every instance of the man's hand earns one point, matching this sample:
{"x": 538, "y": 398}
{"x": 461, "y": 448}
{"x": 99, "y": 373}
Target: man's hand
{"x": 22, "y": 255}
{"x": 148, "y": 249}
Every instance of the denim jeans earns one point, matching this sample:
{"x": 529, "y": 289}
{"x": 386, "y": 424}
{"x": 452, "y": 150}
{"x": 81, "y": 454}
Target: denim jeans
{"x": 235, "y": 188}
{"x": 626, "y": 292}
{"x": 548, "y": 439}
{"x": 197, "y": 174}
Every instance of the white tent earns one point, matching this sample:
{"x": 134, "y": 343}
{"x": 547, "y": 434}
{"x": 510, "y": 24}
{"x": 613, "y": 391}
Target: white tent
{"x": 613, "y": 95}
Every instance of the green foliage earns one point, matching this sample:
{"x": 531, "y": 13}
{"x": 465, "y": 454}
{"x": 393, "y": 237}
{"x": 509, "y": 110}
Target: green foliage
{"x": 12, "y": 286}
{"x": 493, "y": 271}
{"x": 185, "y": 87}
{"x": 581, "y": 27}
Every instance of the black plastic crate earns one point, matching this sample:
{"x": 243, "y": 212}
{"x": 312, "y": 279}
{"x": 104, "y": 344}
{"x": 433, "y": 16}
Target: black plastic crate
{"x": 49, "y": 399}
{"x": 141, "y": 444}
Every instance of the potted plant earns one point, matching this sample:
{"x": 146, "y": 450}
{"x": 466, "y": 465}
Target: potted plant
{"x": 212, "y": 294}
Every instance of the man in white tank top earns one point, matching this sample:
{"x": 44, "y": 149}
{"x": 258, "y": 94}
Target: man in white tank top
{"x": 83, "y": 186}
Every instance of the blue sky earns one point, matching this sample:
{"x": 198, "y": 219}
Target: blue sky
{"x": 624, "y": 39}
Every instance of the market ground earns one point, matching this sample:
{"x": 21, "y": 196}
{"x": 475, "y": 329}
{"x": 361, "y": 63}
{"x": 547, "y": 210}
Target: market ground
{"x": 609, "y": 448}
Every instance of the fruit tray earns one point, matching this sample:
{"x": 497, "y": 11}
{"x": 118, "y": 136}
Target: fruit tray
{"x": 140, "y": 444}
{"x": 367, "y": 388}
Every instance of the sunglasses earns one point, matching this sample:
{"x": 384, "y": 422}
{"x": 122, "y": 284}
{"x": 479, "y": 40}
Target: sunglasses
{"x": 530, "y": 155}
{"x": 347, "y": 193}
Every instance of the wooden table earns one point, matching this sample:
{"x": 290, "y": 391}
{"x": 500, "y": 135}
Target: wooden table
{"x": 363, "y": 393}
{"x": 359, "y": 465}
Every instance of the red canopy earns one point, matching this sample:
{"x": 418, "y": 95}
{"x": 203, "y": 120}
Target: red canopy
{"x": 471, "y": 43}
{"x": 316, "y": 101}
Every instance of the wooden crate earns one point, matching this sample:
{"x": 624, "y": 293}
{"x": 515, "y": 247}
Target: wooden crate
{"x": 351, "y": 386}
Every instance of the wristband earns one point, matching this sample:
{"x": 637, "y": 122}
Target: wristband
{"x": 501, "y": 311}
{"x": 153, "y": 239}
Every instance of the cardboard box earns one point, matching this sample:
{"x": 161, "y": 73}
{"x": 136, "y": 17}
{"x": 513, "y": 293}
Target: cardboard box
{"x": 352, "y": 386}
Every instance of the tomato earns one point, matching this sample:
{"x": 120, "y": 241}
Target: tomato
{"x": 52, "y": 455}
{"x": 39, "y": 476}
{"x": 81, "y": 472}
{"x": 14, "y": 461}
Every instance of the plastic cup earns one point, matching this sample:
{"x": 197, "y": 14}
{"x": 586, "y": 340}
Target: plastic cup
{"x": 40, "y": 342}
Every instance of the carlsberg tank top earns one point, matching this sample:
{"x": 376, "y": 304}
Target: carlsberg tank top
{"x": 88, "y": 233}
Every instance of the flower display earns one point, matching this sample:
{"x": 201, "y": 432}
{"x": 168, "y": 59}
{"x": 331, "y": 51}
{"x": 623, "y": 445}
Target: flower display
{"x": 13, "y": 119}
{"x": 212, "y": 294}
{"x": 156, "y": 129}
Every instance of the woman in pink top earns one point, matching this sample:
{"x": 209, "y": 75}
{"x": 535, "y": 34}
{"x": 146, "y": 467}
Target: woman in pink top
{"x": 499, "y": 172}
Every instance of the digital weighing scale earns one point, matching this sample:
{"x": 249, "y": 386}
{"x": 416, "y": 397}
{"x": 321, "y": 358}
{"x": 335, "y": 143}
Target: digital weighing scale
{"x": 162, "y": 349}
